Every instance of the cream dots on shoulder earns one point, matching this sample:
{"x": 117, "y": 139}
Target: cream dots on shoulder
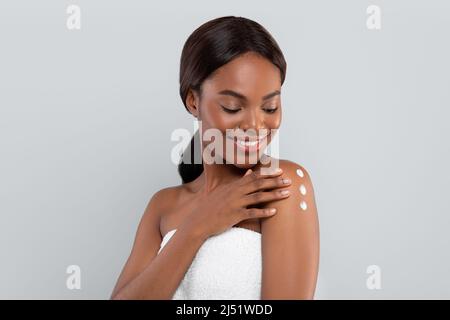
{"x": 302, "y": 189}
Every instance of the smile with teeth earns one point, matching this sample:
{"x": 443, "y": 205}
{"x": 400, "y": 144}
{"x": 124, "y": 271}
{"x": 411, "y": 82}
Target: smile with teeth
{"x": 248, "y": 145}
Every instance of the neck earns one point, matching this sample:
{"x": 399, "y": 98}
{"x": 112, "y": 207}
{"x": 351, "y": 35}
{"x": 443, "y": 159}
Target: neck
{"x": 215, "y": 174}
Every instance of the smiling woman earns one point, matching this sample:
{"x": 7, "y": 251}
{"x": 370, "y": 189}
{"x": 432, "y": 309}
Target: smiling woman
{"x": 233, "y": 230}
{"x": 244, "y": 94}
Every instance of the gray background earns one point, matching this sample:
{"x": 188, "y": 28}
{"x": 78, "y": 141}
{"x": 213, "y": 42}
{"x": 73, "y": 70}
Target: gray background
{"x": 86, "y": 118}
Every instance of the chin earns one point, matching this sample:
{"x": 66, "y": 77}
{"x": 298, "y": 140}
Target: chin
{"x": 244, "y": 165}
{"x": 257, "y": 162}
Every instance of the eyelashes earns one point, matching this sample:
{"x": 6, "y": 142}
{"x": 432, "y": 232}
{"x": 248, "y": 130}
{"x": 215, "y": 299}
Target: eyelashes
{"x": 271, "y": 110}
{"x": 232, "y": 111}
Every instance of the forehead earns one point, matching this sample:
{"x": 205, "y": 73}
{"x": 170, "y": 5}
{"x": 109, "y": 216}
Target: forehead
{"x": 249, "y": 74}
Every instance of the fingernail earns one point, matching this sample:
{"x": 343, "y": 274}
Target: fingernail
{"x": 277, "y": 170}
{"x": 286, "y": 180}
{"x": 284, "y": 192}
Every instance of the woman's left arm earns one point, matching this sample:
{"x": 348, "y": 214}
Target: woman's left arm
{"x": 290, "y": 240}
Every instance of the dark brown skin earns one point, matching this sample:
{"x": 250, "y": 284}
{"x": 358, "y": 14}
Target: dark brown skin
{"x": 222, "y": 197}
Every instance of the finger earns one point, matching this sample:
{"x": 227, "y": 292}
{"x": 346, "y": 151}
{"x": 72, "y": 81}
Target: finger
{"x": 257, "y": 213}
{"x": 254, "y": 175}
{"x": 248, "y": 176}
{"x": 266, "y": 184}
{"x": 265, "y": 196}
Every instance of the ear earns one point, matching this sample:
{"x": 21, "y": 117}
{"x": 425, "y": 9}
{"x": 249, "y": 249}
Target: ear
{"x": 192, "y": 103}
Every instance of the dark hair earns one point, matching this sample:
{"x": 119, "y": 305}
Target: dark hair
{"x": 210, "y": 46}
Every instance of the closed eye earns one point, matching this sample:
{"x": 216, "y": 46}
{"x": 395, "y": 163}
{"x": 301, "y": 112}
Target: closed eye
{"x": 230, "y": 110}
{"x": 273, "y": 110}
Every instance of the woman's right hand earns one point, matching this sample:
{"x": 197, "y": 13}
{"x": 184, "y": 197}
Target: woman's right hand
{"x": 226, "y": 205}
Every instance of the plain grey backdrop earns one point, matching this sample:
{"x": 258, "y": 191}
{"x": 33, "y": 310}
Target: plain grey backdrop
{"x": 86, "y": 117}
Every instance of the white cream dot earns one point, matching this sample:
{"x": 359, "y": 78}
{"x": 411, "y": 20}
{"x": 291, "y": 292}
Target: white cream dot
{"x": 300, "y": 172}
{"x": 303, "y": 205}
{"x": 302, "y": 189}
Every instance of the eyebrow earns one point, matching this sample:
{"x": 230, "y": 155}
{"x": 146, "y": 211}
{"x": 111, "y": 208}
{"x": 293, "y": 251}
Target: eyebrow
{"x": 242, "y": 97}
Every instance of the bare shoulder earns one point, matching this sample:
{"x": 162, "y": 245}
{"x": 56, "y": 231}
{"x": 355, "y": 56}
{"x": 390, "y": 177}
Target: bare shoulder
{"x": 168, "y": 202}
{"x": 290, "y": 239}
{"x": 300, "y": 207}
{"x": 164, "y": 197}
{"x": 297, "y": 173}
{"x": 302, "y": 189}
{"x": 160, "y": 203}
{"x": 149, "y": 226}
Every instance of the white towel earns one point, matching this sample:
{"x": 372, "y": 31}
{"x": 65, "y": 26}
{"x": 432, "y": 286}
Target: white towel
{"x": 227, "y": 266}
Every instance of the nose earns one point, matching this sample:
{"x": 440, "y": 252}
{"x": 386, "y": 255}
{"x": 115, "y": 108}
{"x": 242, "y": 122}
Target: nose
{"x": 252, "y": 121}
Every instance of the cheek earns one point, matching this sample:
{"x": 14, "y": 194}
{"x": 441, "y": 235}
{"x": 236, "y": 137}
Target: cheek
{"x": 212, "y": 117}
{"x": 273, "y": 123}
{"x": 225, "y": 122}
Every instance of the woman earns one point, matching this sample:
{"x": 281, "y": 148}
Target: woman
{"x": 214, "y": 236}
